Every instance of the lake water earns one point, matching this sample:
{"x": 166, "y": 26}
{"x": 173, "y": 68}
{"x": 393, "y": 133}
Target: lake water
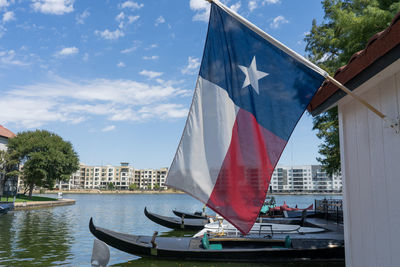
{"x": 60, "y": 236}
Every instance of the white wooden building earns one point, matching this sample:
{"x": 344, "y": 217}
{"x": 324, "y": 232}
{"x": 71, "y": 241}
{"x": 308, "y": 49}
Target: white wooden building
{"x": 5, "y": 134}
{"x": 370, "y": 150}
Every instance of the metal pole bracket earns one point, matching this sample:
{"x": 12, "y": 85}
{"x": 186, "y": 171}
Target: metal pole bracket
{"x": 393, "y": 123}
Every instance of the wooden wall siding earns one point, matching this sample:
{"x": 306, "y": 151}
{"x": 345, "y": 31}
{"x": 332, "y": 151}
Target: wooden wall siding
{"x": 371, "y": 171}
{"x": 3, "y": 143}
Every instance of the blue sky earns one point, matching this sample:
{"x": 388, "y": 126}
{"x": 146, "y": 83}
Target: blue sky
{"x": 116, "y": 78}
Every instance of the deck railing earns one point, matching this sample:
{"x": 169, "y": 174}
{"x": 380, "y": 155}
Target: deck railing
{"x": 330, "y": 209}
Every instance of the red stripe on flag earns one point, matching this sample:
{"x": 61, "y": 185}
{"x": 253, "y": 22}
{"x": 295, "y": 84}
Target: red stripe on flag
{"x": 243, "y": 180}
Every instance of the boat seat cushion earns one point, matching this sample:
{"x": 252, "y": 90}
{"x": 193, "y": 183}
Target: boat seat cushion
{"x": 206, "y": 243}
{"x": 264, "y": 209}
{"x": 288, "y": 243}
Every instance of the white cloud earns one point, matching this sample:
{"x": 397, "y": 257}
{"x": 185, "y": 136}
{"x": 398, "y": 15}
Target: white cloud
{"x": 10, "y": 58}
{"x": 150, "y": 57}
{"x": 278, "y": 21}
{"x": 150, "y": 74}
{"x": 56, "y": 7}
{"x": 198, "y": 4}
{"x": 131, "y": 5}
{"x": 108, "y": 128}
{"x": 192, "y": 66}
{"x": 202, "y": 16}
{"x": 236, "y": 7}
{"x": 132, "y": 19}
{"x": 271, "y": 2}
{"x": 123, "y": 20}
{"x": 4, "y": 3}
{"x": 129, "y": 50}
{"x": 80, "y": 18}
{"x": 8, "y": 16}
{"x": 74, "y": 101}
{"x": 67, "y": 51}
{"x": 30, "y": 113}
{"x": 121, "y": 64}
{"x": 164, "y": 111}
{"x": 120, "y": 16}
{"x": 159, "y": 20}
{"x": 110, "y": 35}
{"x": 151, "y": 46}
{"x": 202, "y": 9}
{"x": 252, "y": 5}
{"x": 132, "y": 48}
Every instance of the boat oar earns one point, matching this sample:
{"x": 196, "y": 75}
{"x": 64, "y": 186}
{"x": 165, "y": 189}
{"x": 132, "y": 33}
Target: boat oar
{"x": 100, "y": 254}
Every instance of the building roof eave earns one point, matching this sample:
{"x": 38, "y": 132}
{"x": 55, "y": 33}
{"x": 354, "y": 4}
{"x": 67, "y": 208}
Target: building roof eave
{"x": 382, "y": 50}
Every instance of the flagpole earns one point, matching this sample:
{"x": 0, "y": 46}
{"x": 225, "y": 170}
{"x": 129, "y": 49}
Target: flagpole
{"x": 395, "y": 124}
{"x": 348, "y": 91}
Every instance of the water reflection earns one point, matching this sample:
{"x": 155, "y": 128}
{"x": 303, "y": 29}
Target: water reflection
{"x": 37, "y": 236}
{"x": 7, "y": 233}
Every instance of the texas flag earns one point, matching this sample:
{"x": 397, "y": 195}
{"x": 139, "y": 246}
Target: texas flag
{"x": 249, "y": 96}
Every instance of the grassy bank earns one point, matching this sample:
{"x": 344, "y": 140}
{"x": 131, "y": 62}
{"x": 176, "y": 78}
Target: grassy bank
{"x": 22, "y": 198}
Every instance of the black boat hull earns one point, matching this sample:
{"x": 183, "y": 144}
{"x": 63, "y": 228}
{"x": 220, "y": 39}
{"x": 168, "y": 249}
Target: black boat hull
{"x": 188, "y": 215}
{"x": 176, "y": 223}
{"x": 186, "y": 248}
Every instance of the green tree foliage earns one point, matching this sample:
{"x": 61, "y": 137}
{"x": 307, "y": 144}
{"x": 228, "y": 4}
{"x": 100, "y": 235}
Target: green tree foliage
{"x": 45, "y": 158}
{"x": 157, "y": 187}
{"x": 8, "y": 169}
{"x": 328, "y": 130}
{"x": 133, "y": 187}
{"x": 110, "y": 186}
{"x": 347, "y": 27}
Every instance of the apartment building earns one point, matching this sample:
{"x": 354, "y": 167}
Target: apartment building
{"x": 150, "y": 178}
{"x": 121, "y": 177}
{"x": 304, "y": 178}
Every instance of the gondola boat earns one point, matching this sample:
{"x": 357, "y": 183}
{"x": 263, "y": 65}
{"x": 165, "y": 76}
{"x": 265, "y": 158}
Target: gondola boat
{"x": 282, "y": 249}
{"x": 3, "y": 210}
{"x": 6, "y": 207}
{"x": 195, "y": 215}
{"x": 260, "y": 229}
{"x": 284, "y": 209}
{"x": 298, "y": 213}
{"x": 175, "y": 222}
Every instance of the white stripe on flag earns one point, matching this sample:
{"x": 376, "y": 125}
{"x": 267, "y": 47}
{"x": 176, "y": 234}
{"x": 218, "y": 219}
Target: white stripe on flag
{"x": 205, "y": 140}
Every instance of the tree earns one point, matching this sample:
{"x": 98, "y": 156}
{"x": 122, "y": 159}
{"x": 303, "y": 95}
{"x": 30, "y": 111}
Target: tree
{"x": 45, "y": 158}
{"x": 133, "y": 187}
{"x": 328, "y": 130}
{"x": 157, "y": 187}
{"x": 348, "y": 25}
{"x": 8, "y": 171}
{"x": 110, "y": 186}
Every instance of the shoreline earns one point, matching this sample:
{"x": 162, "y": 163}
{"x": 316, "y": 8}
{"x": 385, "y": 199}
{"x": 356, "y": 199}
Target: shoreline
{"x": 96, "y": 191}
{"x": 29, "y": 205}
{"x": 100, "y": 192}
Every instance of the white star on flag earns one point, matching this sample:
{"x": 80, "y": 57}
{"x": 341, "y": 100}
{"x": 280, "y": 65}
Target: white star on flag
{"x": 252, "y": 75}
